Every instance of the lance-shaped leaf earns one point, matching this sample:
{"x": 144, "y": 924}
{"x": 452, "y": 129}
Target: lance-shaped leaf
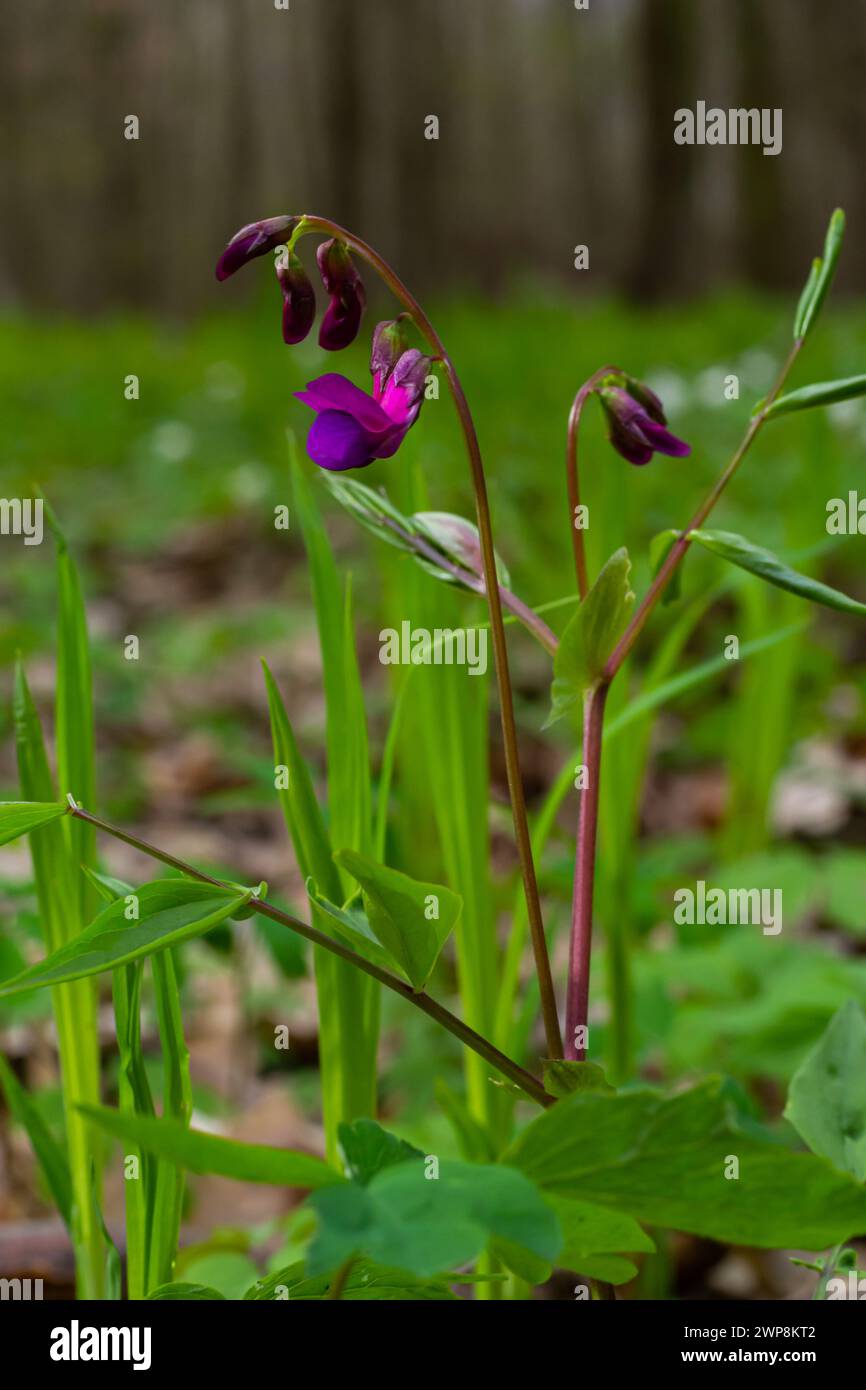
{"x": 425, "y": 1224}
{"x": 591, "y": 635}
{"x": 455, "y": 538}
{"x": 20, "y": 817}
{"x": 169, "y": 911}
{"x": 818, "y": 394}
{"x": 827, "y": 1099}
{"x": 208, "y": 1153}
{"x": 768, "y": 566}
{"x": 411, "y": 920}
{"x": 820, "y": 276}
{"x": 684, "y": 1162}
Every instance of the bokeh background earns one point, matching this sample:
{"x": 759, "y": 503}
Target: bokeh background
{"x": 556, "y": 129}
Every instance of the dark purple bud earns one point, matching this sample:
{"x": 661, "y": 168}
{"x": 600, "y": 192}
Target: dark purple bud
{"x": 645, "y": 397}
{"x": 637, "y": 427}
{"x": 299, "y": 298}
{"x": 389, "y": 344}
{"x": 343, "y": 284}
{"x": 252, "y": 241}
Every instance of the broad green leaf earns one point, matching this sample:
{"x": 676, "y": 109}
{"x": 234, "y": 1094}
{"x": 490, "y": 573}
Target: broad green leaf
{"x": 367, "y": 1283}
{"x": 589, "y": 1229}
{"x": 367, "y": 1149}
{"x": 665, "y": 1160}
{"x": 564, "y": 1078}
{"x": 820, "y": 277}
{"x": 768, "y": 566}
{"x": 820, "y": 393}
{"x": 169, "y": 911}
{"x": 208, "y": 1153}
{"x": 426, "y": 1224}
{"x": 827, "y": 1099}
{"x": 183, "y": 1293}
{"x": 591, "y": 635}
{"x": 20, "y": 817}
{"x": 51, "y": 1158}
{"x": 411, "y": 920}
{"x": 229, "y": 1272}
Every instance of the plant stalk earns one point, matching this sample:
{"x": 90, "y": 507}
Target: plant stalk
{"x": 500, "y": 649}
{"x": 571, "y": 469}
{"x": 580, "y": 954}
{"x": 431, "y": 1007}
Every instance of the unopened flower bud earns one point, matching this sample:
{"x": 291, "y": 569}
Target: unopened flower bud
{"x": 344, "y": 286}
{"x": 299, "y": 298}
{"x": 254, "y": 240}
{"x": 637, "y": 425}
{"x": 389, "y": 344}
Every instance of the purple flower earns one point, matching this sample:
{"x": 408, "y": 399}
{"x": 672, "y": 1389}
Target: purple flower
{"x": 299, "y": 299}
{"x": 343, "y": 284}
{"x": 637, "y": 424}
{"x": 351, "y": 428}
{"x": 254, "y": 240}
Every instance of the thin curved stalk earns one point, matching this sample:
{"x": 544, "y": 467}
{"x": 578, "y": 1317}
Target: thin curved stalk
{"x": 311, "y": 223}
{"x": 580, "y": 953}
{"x": 460, "y": 1030}
{"x": 572, "y": 474}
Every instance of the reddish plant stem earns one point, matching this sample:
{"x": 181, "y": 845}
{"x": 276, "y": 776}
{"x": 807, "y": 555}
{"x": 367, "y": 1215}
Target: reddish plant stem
{"x": 577, "y": 1000}
{"x": 571, "y": 469}
{"x": 580, "y": 954}
{"x": 500, "y": 649}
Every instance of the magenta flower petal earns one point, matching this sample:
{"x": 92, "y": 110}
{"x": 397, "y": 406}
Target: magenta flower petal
{"x": 637, "y": 430}
{"x": 335, "y": 392}
{"x": 338, "y": 441}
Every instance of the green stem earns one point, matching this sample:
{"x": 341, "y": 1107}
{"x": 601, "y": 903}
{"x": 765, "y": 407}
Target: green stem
{"x": 500, "y": 649}
{"x": 466, "y": 1035}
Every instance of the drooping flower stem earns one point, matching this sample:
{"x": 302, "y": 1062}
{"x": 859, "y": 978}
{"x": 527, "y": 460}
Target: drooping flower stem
{"x": 574, "y": 417}
{"x": 587, "y": 829}
{"x": 431, "y": 1007}
{"x": 506, "y": 703}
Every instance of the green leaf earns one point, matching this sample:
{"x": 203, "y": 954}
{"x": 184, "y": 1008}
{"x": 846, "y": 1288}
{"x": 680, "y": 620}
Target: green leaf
{"x": 424, "y": 1225}
{"x": 664, "y": 1160}
{"x": 367, "y": 1283}
{"x": 564, "y": 1078}
{"x": 229, "y": 1272}
{"x": 208, "y": 1153}
{"x": 349, "y": 925}
{"x": 589, "y": 1229}
{"x": 820, "y": 277}
{"x": 827, "y": 1099}
{"x": 591, "y": 635}
{"x": 184, "y": 1293}
{"x": 169, "y": 911}
{"x": 765, "y": 565}
{"x": 368, "y": 1149}
{"x": 820, "y": 393}
{"x": 20, "y": 817}
{"x": 844, "y": 884}
{"x": 411, "y": 920}
{"x": 51, "y": 1158}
